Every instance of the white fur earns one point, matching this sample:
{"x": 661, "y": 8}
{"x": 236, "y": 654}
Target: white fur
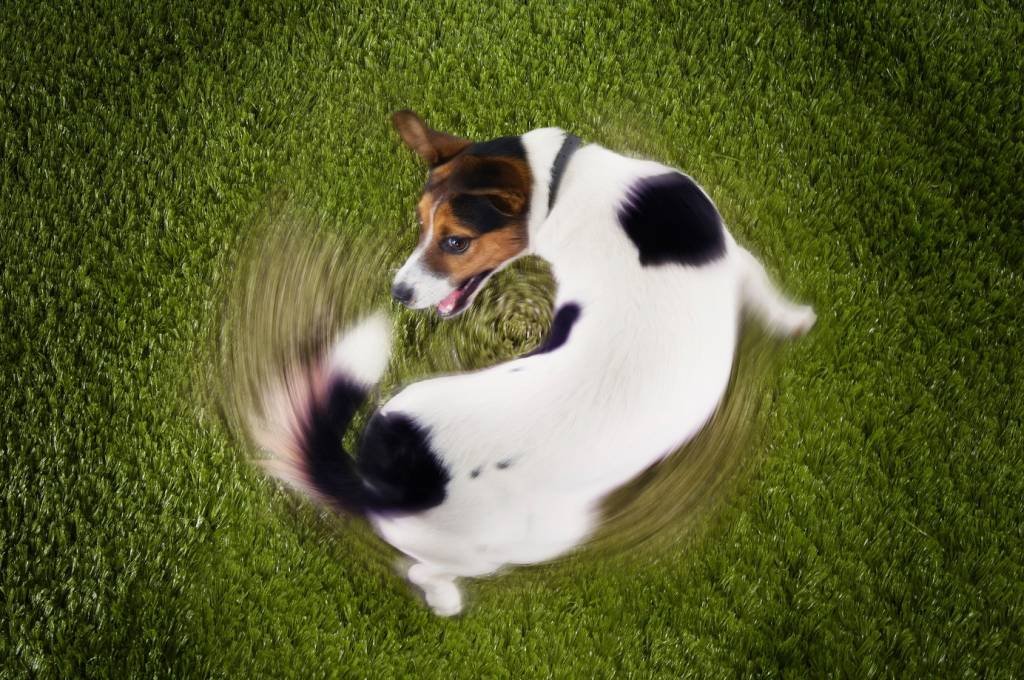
{"x": 644, "y": 368}
{"x": 362, "y": 352}
{"x": 428, "y": 287}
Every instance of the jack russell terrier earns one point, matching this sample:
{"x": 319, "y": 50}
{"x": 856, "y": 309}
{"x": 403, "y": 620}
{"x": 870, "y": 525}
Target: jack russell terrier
{"x": 467, "y": 474}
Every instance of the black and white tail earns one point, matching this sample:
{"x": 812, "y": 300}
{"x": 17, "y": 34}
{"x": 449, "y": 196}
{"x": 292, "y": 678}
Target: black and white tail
{"x": 306, "y": 413}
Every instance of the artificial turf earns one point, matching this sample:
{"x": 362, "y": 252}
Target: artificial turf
{"x": 871, "y": 153}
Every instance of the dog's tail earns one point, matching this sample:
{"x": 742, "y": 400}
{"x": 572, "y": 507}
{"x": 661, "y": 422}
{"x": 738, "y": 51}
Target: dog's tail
{"x": 306, "y": 413}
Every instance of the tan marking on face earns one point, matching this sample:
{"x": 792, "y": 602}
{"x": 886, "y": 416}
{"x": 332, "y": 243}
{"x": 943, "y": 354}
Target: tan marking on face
{"x": 485, "y": 251}
{"x": 438, "y": 221}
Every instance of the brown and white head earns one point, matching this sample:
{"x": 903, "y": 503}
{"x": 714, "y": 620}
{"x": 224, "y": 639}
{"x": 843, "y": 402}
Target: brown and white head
{"x": 473, "y": 216}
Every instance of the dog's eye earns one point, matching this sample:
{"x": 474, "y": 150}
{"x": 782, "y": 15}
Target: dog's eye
{"x": 454, "y": 244}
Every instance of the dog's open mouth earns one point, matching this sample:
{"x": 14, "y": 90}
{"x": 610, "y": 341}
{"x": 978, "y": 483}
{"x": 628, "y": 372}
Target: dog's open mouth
{"x": 458, "y": 299}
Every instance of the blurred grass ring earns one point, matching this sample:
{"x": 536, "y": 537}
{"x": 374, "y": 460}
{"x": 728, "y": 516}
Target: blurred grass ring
{"x": 300, "y": 280}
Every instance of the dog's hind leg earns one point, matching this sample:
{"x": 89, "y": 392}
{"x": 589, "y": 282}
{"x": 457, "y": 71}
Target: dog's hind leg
{"x": 438, "y": 588}
{"x": 781, "y": 316}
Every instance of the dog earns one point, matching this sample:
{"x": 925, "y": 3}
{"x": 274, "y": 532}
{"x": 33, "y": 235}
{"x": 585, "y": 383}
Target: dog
{"x": 468, "y": 474}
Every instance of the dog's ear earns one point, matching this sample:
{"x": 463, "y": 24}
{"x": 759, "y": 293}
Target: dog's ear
{"x": 432, "y": 146}
{"x": 503, "y": 182}
{"x": 510, "y": 202}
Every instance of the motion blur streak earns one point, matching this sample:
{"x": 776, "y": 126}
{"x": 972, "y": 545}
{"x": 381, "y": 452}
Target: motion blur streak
{"x": 299, "y": 280}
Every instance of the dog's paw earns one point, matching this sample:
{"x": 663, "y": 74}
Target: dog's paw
{"x": 420, "y": 575}
{"x": 445, "y": 599}
{"x": 440, "y": 591}
{"x": 802, "y": 319}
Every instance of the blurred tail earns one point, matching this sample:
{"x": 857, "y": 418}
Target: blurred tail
{"x": 306, "y": 414}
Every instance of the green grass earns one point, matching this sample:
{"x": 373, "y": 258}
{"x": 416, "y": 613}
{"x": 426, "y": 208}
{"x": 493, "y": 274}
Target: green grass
{"x": 872, "y": 153}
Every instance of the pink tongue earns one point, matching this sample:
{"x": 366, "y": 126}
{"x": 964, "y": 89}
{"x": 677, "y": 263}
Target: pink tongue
{"x": 446, "y": 305}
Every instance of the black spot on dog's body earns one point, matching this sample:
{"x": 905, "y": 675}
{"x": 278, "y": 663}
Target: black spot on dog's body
{"x": 671, "y": 221}
{"x": 504, "y": 464}
{"x": 398, "y": 465}
{"x": 502, "y": 146}
{"x": 478, "y": 213}
{"x": 565, "y": 318}
{"x": 474, "y": 473}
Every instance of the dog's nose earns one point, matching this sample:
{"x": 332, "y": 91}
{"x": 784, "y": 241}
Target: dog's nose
{"x": 402, "y": 293}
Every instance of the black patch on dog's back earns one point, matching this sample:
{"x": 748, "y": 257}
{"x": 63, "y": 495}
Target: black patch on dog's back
{"x": 565, "y": 318}
{"x": 502, "y": 146}
{"x": 397, "y": 463}
{"x": 671, "y": 221}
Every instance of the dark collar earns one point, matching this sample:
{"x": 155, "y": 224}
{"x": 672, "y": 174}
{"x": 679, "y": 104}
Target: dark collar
{"x": 569, "y": 147}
